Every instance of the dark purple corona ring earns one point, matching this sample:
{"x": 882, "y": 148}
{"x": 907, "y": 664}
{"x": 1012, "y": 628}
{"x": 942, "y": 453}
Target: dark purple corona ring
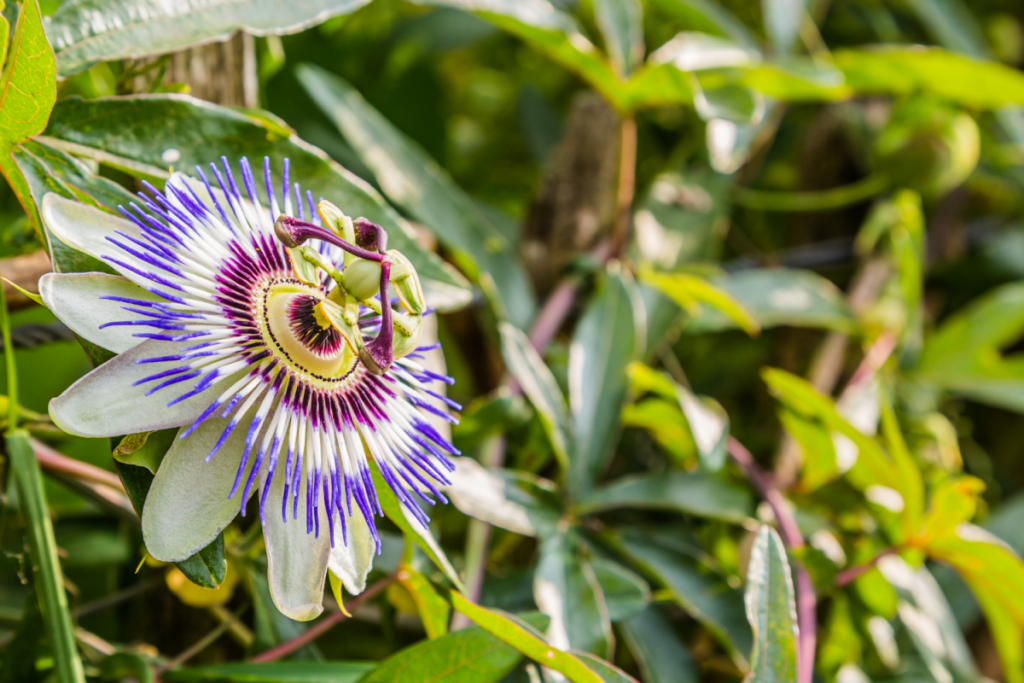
{"x": 249, "y": 335}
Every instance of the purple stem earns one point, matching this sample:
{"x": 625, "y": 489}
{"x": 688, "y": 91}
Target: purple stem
{"x": 378, "y": 355}
{"x": 292, "y": 232}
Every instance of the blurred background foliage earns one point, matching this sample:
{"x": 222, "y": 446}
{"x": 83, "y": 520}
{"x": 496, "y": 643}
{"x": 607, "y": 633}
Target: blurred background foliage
{"x": 786, "y": 228}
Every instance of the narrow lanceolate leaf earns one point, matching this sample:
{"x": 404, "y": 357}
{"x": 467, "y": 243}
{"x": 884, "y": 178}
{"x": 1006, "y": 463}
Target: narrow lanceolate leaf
{"x": 539, "y": 385}
{"x": 433, "y": 608}
{"x": 28, "y": 89}
{"x": 602, "y": 347}
{"x": 691, "y": 293}
{"x": 84, "y": 32}
{"x": 526, "y": 639}
{"x": 692, "y": 493}
{"x": 412, "y": 529}
{"x": 510, "y": 499}
{"x": 622, "y": 26}
{"x": 137, "y": 133}
{"x": 771, "y": 610}
{"x": 566, "y": 589}
{"x": 414, "y": 181}
{"x": 272, "y": 672}
{"x": 661, "y": 655}
{"x": 46, "y": 567}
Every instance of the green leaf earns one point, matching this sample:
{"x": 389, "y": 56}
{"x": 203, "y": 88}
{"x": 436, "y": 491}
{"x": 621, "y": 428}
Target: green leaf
{"x": 470, "y": 655}
{"x": 609, "y": 673}
{"x": 422, "y": 537}
{"x": 434, "y": 610}
{"x": 554, "y": 35}
{"x": 667, "y": 424}
{"x": 208, "y": 567}
{"x": 820, "y": 465}
{"x": 626, "y": 594}
{"x": 49, "y": 579}
{"x": 690, "y": 291}
{"x": 661, "y": 655}
{"x": 964, "y": 354}
{"x": 782, "y": 20}
{"x": 775, "y": 297}
{"x": 996, "y": 576}
{"x": 539, "y": 385}
{"x": 703, "y": 595}
{"x": 145, "y": 450}
{"x": 566, "y": 589}
{"x": 415, "y": 182}
{"x": 906, "y": 70}
{"x": 622, "y": 26}
{"x": 273, "y": 672}
{"x": 523, "y": 637}
{"x": 510, "y": 499}
{"x": 691, "y": 493}
{"x": 602, "y": 347}
{"x": 708, "y": 16}
{"x": 28, "y": 89}
{"x": 88, "y": 31}
{"x": 771, "y": 610}
{"x": 18, "y": 661}
{"x": 125, "y": 132}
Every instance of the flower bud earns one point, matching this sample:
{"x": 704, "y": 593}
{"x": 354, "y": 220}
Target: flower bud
{"x": 928, "y": 146}
{"x": 361, "y": 279}
{"x": 305, "y": 268}
{"x": 407, "y": 334}
{"x": 407, "y": 283}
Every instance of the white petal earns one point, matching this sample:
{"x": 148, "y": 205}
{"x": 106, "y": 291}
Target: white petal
{"x": 85, "y": 227}
{"x": 75, "y": 299}
{"x": 104, "y": 402}
{"x": 296, "y": 561}
{"x": 188, "y": 503}
{"x": 352, "y": 563}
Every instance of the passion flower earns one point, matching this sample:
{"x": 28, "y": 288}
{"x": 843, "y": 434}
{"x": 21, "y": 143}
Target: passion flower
{"x": 232, "y": 323}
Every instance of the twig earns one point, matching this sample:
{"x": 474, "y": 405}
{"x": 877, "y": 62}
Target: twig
{"x": 51, "y": 460}
{"x": 313, "y": 632}
{"x": 114, "y": 598}
{"x": 806, "y": 601}
{"x": 848, "y": 576}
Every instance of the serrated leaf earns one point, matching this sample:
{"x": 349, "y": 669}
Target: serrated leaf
{"x": 28, "y": 89}
{"x": 771, "y": 609}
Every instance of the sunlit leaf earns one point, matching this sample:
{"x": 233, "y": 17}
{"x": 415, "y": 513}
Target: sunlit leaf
{"x": 512, "y": 500}
{"x": 272, "y": 672}
{"x": 622, "y": 25}
{"x": 691, "y": 493}
{"x": 87, "y": 31}
{"x": 771, "y": 610}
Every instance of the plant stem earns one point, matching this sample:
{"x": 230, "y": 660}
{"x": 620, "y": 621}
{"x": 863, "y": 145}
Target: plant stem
{"x": 627, "y": 185}
{"x": 312, "y": 633}
{"x": 53, "y": 601}
{"x": 806, "y": 601}
{"x": 836, "y": 198}
{"x": 848, "y": 576}
{"x": 203, "y": 642}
